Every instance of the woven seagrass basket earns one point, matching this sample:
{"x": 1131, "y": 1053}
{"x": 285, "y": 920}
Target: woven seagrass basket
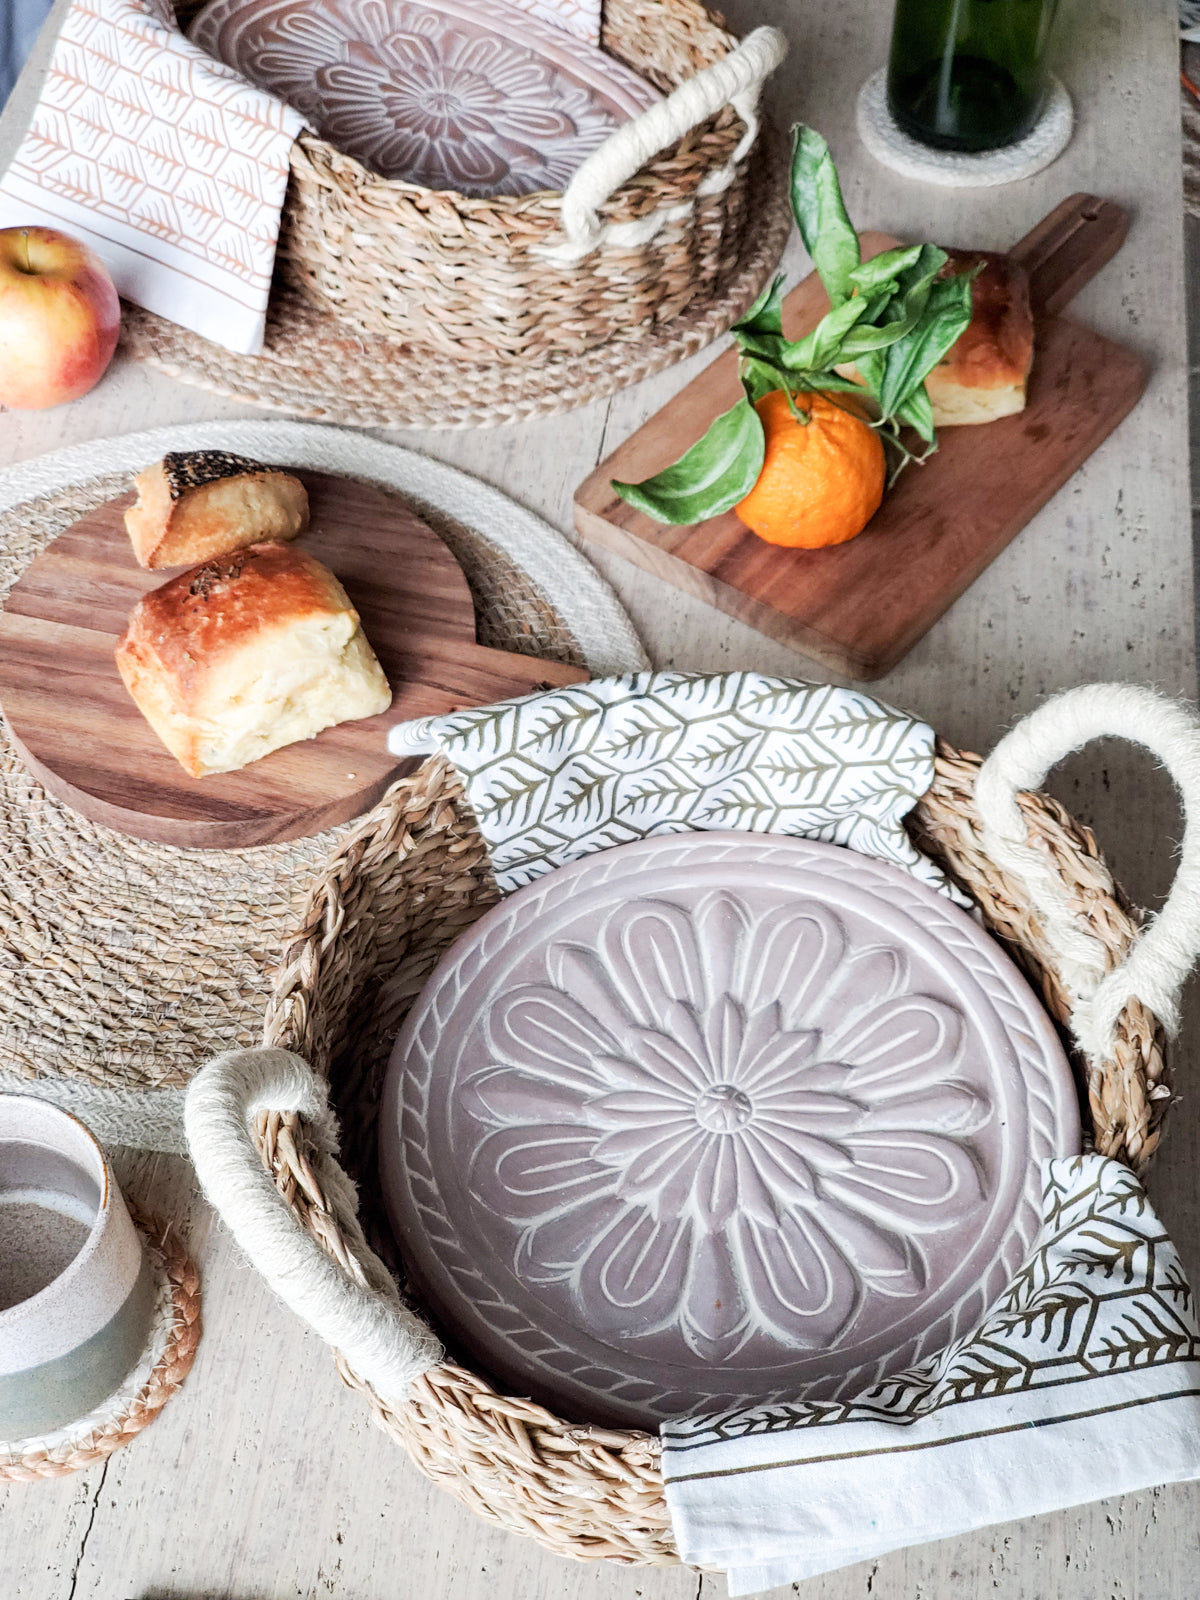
{"x": 395, "y": 896}
{"x": 653, "y": 220}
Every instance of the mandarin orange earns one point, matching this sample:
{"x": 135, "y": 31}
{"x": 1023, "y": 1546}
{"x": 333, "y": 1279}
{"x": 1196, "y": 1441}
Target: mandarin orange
{"x": 822, "y": 479}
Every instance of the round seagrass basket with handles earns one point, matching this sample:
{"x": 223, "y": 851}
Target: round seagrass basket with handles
{"x": 655, "y": 218}
{"x": 415, "y": 875}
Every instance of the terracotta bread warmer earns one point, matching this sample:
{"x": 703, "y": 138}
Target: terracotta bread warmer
{"x": 654, "y": 219}
{"x": 396, "y": 894}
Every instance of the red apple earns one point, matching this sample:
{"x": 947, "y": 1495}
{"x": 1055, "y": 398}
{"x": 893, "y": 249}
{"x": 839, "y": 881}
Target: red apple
{"x": 59, "y": 318}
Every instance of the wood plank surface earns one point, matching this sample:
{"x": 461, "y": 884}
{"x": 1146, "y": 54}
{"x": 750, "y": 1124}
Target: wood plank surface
{"x": 263, "y": 1479}
{"x": 859, "y": 607}
{"x": 80, "y": 732}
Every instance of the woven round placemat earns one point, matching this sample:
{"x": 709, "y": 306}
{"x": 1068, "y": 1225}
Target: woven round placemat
{"x": 170, "y": 1351}
{"x": 123, "y": 964}
{"x": 314, "y": 366}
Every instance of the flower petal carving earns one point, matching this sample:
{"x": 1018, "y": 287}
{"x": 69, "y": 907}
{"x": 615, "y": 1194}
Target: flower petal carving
{"x": 436, "y": 96}
{"x": 756, "y": 1136}
{"x": 640, "y": 1175}
{"x": 550, "y": 1030}
{"x": 891, "y": 1041}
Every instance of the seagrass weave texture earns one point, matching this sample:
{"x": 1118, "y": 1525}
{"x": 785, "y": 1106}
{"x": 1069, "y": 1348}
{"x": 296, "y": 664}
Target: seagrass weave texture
{"x": 124, "y": 963}
{"x": 396, "y": 893}
{"x": 462, "y": 276}
{"x": 314, "y": 365}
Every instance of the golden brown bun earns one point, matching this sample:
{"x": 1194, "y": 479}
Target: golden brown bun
{"x": 983, "y": 375}
{"x": 194, "y": 504}
{"x": 247, "y": 653}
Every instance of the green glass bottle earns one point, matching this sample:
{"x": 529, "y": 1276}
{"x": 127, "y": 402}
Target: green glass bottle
{"x": 969, "y": 74}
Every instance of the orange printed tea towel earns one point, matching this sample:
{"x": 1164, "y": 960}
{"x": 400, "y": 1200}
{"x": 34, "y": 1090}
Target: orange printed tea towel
{"x": 168, "y": 163}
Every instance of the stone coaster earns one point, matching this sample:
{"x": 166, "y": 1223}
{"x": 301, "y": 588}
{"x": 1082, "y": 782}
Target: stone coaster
{"x": 717, "y": 1120}
{"x": 953, "y": 169}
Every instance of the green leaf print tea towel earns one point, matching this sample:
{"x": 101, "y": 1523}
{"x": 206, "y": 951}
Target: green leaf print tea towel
{"x": 555, "y": 776}
{"x": 1082, "y": 1381}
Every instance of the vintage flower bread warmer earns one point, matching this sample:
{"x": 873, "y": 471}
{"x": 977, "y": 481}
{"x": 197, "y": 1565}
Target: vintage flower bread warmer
{"x": 653, "y": 219}
{"x": 417, "y": 874}
{"x": 715, "y": 1119}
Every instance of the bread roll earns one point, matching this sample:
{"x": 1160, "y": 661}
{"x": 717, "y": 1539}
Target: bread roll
{"x": 246, "y": 653}
{"x": 983, "y": 375}
{"x": 194, "y": 504}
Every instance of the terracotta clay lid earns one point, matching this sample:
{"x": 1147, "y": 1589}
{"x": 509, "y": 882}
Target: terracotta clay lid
{"x": 718, "y": 1119}
{"x": 473, "y": 96}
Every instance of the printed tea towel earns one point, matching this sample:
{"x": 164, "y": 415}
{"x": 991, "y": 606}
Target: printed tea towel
{"x": 169, "y": 164}
{"x": 1082, "y": 1381}
{"x": 555, "y": 776}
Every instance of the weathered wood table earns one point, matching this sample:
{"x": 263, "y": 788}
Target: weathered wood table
{"x": 263, "y": 1479}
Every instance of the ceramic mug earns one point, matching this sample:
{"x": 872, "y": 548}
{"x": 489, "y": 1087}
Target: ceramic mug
{"x": 76, "y": 1290}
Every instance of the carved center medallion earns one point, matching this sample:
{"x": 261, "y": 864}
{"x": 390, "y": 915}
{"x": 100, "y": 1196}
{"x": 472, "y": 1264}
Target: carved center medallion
{"x": 723, "y": 1108}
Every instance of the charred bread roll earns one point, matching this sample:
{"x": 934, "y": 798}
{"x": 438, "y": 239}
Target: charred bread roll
{"x": 983, "y": 375}
{"x": 246, "y": 653}
{"x": 194, "y": 504}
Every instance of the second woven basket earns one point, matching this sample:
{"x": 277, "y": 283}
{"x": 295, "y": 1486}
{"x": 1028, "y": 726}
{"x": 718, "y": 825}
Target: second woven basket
{"x": 653, "y": 220}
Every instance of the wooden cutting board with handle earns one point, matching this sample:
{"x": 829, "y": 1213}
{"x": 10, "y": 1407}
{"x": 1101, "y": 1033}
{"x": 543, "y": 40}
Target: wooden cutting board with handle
{"x": 77, "y": 729}
{"x": 858, "y": 608}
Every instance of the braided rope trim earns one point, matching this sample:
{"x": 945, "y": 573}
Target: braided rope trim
{"x": 1129, "y": 1089}
{"x": 97, "y": 1438}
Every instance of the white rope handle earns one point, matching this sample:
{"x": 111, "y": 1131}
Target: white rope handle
{"x": 382, "y": 1340}
{"x": 735, "y": 80}
{"x": 1158, "y": 963}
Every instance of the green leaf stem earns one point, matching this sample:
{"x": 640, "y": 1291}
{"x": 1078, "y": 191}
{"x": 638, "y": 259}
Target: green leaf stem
{"x": 879, "y": 275}
{"x": 946, "y": 314}
{"x": 719, "y": 470}
{"x": 765, "y": 316}
{"x": 917, "y": 413}
{"x": 891, "y": 320}
{"x": 820, "y": 214}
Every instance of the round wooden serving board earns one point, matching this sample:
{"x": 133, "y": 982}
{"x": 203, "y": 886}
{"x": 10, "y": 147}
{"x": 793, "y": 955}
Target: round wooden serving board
{"x": 75, "y": 725}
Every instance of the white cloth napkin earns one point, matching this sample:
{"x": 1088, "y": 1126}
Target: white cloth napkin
{"x": 166, "y": 162}
{"x": 1082, "y": 1381}
{"x": 555, "y": 776}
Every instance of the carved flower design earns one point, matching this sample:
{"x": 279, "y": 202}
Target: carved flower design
{"x": 726, "y": 1130}
{"x": 472, "y": 114}
{"x": 444, "y": 100}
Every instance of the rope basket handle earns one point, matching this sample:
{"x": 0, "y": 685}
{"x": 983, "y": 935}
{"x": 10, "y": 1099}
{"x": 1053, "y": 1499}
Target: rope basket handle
{"x": 1154, "y": 970}
{"x": 382, "y": 1340}
{"x": 736, "y": 80}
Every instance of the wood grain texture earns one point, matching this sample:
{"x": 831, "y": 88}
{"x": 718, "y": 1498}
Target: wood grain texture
{"x": 83, "y": 736}
{"x": 859, "y": 607}
{"x": 264, "y": 1480}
